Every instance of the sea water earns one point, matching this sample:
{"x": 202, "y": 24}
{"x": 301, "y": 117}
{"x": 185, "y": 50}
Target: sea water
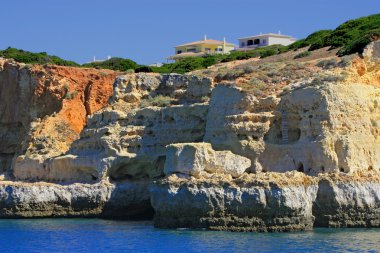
{"x": 95, "y": 235}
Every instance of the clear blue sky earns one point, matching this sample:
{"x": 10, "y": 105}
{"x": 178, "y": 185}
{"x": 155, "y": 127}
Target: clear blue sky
{"x": 147, "y": 30}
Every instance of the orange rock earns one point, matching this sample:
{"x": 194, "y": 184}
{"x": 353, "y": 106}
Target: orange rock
{"x": 81, "y": 91}
{"x": 360, "y": 66}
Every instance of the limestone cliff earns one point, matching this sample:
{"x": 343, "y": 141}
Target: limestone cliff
{"x": 44, "y": 108}
{"x": 302, "y": 152}
{"x": 267, "y": 202}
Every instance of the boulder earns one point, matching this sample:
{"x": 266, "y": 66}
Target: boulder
{"x": 193, "y": 158}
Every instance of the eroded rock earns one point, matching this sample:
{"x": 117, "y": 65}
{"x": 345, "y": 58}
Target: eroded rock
{"x": 193, "y": 158}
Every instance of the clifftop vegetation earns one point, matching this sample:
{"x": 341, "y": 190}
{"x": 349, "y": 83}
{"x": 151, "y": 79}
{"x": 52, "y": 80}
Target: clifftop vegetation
{"x": 20, "y": 55}
{"x": 351, "y": 37}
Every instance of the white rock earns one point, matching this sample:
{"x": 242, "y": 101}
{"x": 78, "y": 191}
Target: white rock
{"x": 193, "y": 158}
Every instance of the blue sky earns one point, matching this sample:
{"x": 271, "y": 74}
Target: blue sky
{"x": 147, "y": 30}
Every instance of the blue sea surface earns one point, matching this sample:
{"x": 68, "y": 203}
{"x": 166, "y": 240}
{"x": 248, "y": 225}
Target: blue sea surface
{"x": 95, "y": 235}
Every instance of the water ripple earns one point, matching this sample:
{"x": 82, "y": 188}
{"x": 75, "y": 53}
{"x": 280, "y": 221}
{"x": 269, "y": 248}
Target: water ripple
{"x": 94, "y": 235}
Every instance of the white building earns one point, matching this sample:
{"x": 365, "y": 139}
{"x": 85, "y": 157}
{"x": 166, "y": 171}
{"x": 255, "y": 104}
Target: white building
{"x": 263, "y": 40}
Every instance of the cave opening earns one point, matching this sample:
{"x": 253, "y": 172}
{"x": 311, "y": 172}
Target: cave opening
{"x": 301, "y": 168}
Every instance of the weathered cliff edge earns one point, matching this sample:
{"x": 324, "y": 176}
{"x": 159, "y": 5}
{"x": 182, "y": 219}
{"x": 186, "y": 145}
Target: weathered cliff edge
{"x": 113, "y": 201}
{"x": 212, "y": 156}
{"x": 271, "y": 202}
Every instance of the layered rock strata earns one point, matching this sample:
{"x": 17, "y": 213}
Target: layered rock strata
{"x": 196, "y": 158}
{"x": 126, "y": 199}
{"x": 270, "y": 202}
{"x": 44, "y": 108}
{"x": 213, "y": 156}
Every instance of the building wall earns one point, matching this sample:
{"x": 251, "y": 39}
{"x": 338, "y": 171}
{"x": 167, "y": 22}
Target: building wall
{"x": 268, "y": 41}
{"x": 281, "y": 41}
{"x": 203, "y": 47}
{"x": 185, "y": 48}
{"x": 262, "y": 42}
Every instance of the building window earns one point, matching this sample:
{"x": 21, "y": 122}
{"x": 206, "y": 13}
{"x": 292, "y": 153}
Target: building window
{"x": 179, "y": 52}
{"x": 264, "y": 41}
{"x": 249, "y": 42}
{"x": 192, "y": 50}
{"x": 242, "y": 44}
{"x": 207, "y": 49}
{"x": 256, "y": 42}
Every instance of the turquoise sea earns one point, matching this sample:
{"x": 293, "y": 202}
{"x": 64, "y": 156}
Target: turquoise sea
{"x": 95, "y": 235}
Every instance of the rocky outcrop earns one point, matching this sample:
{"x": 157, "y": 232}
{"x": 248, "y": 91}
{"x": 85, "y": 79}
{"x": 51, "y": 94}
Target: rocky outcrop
{"x": 320, "y": 123}
{"x": 196, "y": 158}
{"x": 347, "y": 204}
{"x": 133, "y": 88}
{"x": 44, "y": 108}
{"x": 327, "y": 130}
{"x": 226, "y": 205}
{"x": 126, "y": 140}
{"x": 267, "y": 202}
{"x": 214, "y": 156}
{"x": 123, "y": 200}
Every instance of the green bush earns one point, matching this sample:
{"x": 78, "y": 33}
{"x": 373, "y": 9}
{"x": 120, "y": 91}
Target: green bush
{"x": 145, "y": 69}
{"x": 302, "y": 55}
{"x": 255, "y": 85}
{"x": 160, "y": 101}
{"x": 351, "y": 37}
{"x": 327, "y": 64}
{"x": 71, "y": 95}
{"x": 322, "y": 79}
{"x": 114, "y": 64}
{"x": 314, "y": 38}
{"x": 249, "y": 69}
{"x": 34, "y": 58}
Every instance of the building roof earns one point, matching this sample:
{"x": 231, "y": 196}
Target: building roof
{"x": 269, "y": 35}
{"x": 212, "y": 42}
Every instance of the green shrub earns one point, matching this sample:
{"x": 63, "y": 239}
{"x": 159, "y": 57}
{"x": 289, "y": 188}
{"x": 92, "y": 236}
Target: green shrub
{"x": 351, "y": 37}
{"x": 232, "y": 75}
{"x": 34, "y": 58}
{"x": 302, "y": 55}
{"x": 145, "y": 69}
{"x": 314, "y": 38}
{"x": 327, "y": 64}
{"x": 114, "y": 64}
{"x": 256, "y": 86}
{"x": 160, "y": 101}
{"x": 249, "y": 69}
{"x": 71, "y": 95}
{"x": 322, "y": 79}
{"x": 130, "y": 71}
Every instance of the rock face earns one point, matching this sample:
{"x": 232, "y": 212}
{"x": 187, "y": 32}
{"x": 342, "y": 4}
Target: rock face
{"x": 274, "y": 202}
{"x": 195, "y": 158}
{"x": 44, "y": 108}
{"x": 213, "y": 156}
{"x": 123, "y": 200}
{"x": 133, "y": 88}
{"x": 125, "y": 140}
{"x": 347, "y": 204}
{"x": 232, "y": 207}
{"x": 321, "y": 128}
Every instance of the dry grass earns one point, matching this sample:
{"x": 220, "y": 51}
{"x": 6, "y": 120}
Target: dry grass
{"x": 270, "y": 179}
